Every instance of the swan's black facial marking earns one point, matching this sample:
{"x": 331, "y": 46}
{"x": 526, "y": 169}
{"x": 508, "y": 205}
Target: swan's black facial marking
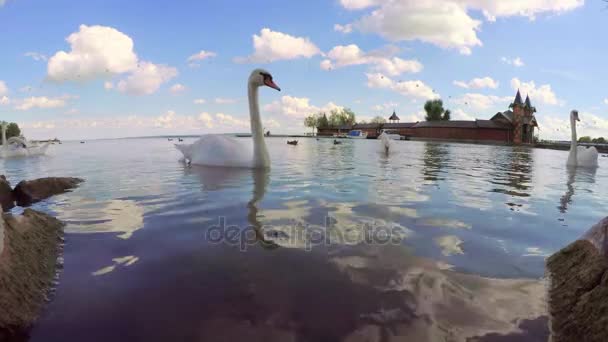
{"x": 268, "y": 80}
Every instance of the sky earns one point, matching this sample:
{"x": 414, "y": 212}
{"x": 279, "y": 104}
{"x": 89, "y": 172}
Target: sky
{"x": 114, "y": 68}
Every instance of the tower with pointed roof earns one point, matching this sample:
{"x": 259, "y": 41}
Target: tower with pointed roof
{"x": 394, "y": 118}
{"x": 518, "y": 117}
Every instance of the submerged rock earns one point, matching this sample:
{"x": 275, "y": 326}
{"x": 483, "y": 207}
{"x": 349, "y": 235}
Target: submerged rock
{"x": 578, "y": 293}
{"x": 6, "y": 194}
{"x": 29, "y": 250}
{"x": 28, "y": 192}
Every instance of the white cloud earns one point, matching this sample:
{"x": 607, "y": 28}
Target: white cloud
{"x": 108, "y": 85}
{"x": 177, "y": 88}
{"x": 2, "y": 2}
{"x": 606, "y": 101}
{"x": 36, "y": 56}
{"x": 271, "y": 123}
{"x": 557, "y": 127}
{"x": 385, "y": 106}
{"x": 460, "y": 114}
{"x": 225, "y": 100}
{"x": 206, "y": 119}
{"x": 297, "y": 107}
{"x": 3, "y": 88}
{"x": 444, "y": 23}
{"x": 348, "y": 28}
{"x": 199, "y": 101}
{"x": 146, "y": 79}
{"x": 72, "y": 111}
{"x": 481, "y": 101}
{"x": 517, "y": 61}
{"x": 201, "y": 55}
{"x": 543, "y": 94}
{"x": 4, "y": 100}
{"x": 272, "y": 46}
{"x": 478, "y": 83}
{"x": 231, "y": 121}
{"x": 381, "y": 61}
{"x": 95, "y": 51}
{"x": 41, "y": 102}
{"x": 413, "y": 88}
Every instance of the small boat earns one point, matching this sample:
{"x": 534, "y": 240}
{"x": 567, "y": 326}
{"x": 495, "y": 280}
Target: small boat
{"x": 82, "y": 142}
{"x": 392, "y": 134}
{"x": 292, "y": 142}
{"x": 357, "y": 134}
{"x": 336, "y": 142}
{"x": 180, "y": 139}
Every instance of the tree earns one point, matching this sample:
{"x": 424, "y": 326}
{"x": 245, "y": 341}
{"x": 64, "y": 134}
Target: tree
{"x": 599, "y": 140}
{"x": 322, "y": 120}
{"x": 584, "y": 139}
{"x": 435, "y": 111}
{"x": 339, "y": 117}
{"x": 311, "y": 122}
{"x": 378, "y": 120}
{"x": 12, "y": 129}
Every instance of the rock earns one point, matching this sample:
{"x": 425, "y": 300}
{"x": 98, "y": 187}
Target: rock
{"x": 578, "y": 291}
{"x": 29, "y": 252}
{"x": 28, "y": 192}
{"x": 6, "y": 194}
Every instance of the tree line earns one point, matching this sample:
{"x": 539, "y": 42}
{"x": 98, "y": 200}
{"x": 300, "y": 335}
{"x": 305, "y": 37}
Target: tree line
{"x": 588, "y": 139}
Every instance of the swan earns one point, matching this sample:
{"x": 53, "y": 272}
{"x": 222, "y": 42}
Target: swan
{"x": 18, "y": 147}
{"x": 220, "y": 150}
{"x": 385, "y": 141}
{"x": 580, "y": 155}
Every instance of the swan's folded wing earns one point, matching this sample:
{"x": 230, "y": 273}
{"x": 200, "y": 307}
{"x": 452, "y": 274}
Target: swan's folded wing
{"x": 220, "y": 150}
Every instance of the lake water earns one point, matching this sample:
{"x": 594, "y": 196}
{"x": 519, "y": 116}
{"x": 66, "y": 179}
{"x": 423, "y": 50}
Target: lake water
{"x": 336, "y": 242}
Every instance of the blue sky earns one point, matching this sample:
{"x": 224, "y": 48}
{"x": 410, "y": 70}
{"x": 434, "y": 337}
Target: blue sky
{"x": 135, "y": 68}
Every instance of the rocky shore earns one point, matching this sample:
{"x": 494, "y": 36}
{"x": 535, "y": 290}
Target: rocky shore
{"x": 30, "y": 247}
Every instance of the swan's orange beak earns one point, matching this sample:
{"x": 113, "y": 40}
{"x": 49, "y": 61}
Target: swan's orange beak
{"x": 269, "y": 82}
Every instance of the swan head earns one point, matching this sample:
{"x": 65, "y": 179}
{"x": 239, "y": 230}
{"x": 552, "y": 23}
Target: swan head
{"x": 574, "y": 115}
{"x": 261, "y": 77}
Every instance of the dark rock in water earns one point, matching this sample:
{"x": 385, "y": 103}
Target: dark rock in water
{"x": 29, "y": 248}
{"x": 578, "y": 293}
{"x": 6, "y": 194}
{"x": 28, "y": 192}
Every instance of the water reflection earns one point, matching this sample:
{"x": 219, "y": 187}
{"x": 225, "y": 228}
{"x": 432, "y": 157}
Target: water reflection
{"x": 513, "y": 173}
{"x": 585, "y": 175}
{"x": 436, "y": 158}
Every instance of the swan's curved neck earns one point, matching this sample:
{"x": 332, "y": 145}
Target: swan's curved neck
{"x": 4, "y": 135}
{"x": 572, "y": 157}
{"x": 260, "y": 153}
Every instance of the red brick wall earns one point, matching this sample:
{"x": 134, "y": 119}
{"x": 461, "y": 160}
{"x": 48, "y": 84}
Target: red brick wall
{"x": 480, "y": 134}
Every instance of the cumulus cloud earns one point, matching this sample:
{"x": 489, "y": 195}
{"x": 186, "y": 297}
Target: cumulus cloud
{"x": 199, "y": 101}
{"x": 606, "y": 101}
{"x": 478, "y": 83}
{"x": 206, "y": 119}
{"x": 107, "y": 85}
{"x": 413, "y": 88}
{"x": 543, "y": 94}
{"x": 201, "y": 55}
{"x": 481, "y": 101}
{"x": 297, "y": 107}
{"x": 100, "y": 51}
{"x": 177, "y": 88}
{"x": 41, "y": 102}
{"x": 557, "y": 127}
{"x": 95, "y": 51}
{"x": 36, "y": 56}
{"x": 272, "y": 46}
{"x": 3, "y": 88}
{"x": 444, "y": 23}
{"x": 348, "y": 28}
{"x": 231, "y": 121}
{"x": 4, "y": 100}
{"x": 385, "y": 106}
{"x": 72, "y": 111}
{"x": 459, "y": 114}
{"x": 380, "y": 61}
{"x": 146, "y": 79}
{"x": 225, "y": 100}
{"x": 517, "y": 61}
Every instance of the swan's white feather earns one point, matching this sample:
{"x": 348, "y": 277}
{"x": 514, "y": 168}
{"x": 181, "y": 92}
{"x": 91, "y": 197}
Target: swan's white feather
{"x": 385, "y": 141}
{"x": 218, "y": 150}
{"x": 586, "y": 156}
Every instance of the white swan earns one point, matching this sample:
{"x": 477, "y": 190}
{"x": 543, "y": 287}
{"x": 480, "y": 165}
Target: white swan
{"x": 385, "y": 141}
{"x": 220, "y": 150}
{"x": 580, "y": 155}
{"x": 18, "y": 147}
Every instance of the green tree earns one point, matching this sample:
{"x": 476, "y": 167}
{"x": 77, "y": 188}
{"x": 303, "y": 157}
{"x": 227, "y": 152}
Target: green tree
{"x": 584, "y": 139}
{"x": 322, "y": 120}
{"x": 378, "y": 120}
{"x": 435, "y": 111}
{"x": 311, "y": 122}
{"x": 599, "y": 140}
{"x": 345, "y": 116}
